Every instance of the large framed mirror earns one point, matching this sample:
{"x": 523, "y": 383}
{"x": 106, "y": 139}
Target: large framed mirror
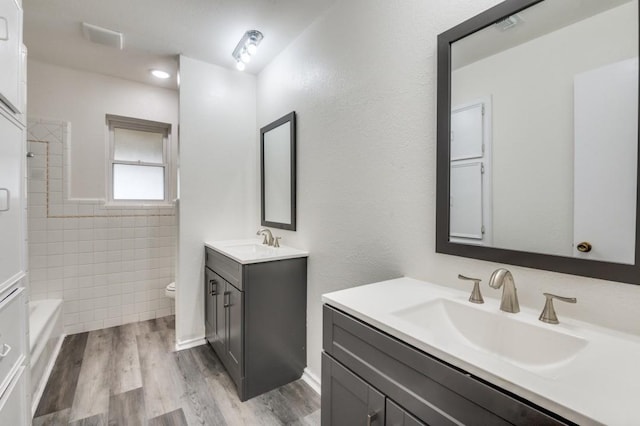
{"x": 537, "y": 160}
{"x": 278, "y": 173}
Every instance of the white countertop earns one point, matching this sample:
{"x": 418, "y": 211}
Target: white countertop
{"x": 600, "y": 385}
{"x": 253, "y": 251}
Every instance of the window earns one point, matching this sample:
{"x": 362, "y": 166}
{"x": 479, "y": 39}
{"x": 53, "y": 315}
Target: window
{"x": 138, "y": 169}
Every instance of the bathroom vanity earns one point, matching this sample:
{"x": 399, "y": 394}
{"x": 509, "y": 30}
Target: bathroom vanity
{"x": 255, "y": 312}
{"x": 407, "y": 352}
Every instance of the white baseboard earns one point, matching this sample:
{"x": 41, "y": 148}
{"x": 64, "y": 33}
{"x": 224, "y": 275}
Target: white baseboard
{"x": 312, "y": 380}
{"x": 35, "y": 398}
{"x": 191, "y": 343}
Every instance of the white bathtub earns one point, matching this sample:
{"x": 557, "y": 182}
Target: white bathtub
{"x": 45, "y": 339}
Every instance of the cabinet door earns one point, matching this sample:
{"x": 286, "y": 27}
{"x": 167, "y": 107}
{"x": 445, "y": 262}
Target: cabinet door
{"x": 11, "y": 213}
{"x": 220, "y": 313}
{"x": 234, "y": 341}
{"x": 10, "y": 45}
{"x": 397, "y": 416}
{"x": 348, "y": 400}
{"x": 210, "y": 296}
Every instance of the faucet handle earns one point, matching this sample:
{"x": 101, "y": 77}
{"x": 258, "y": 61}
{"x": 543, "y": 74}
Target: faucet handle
{"x": 476, "y": 296}
{"x": 548, "y": 314}
{"x": 275, "y": 241}
{"x": 265, "y": 240}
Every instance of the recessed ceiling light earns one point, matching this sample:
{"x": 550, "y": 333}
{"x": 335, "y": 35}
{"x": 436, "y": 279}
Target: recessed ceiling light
{"x": 160, "y": 74}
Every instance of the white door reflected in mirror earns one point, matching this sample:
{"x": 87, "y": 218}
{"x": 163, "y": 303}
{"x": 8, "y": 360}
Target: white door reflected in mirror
{"x": 564, "y": 136}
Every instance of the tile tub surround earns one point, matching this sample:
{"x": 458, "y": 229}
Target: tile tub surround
{"x": 572, "y": 388}
{"x": 110, "y": 266}
{"x": 128, "y": 375}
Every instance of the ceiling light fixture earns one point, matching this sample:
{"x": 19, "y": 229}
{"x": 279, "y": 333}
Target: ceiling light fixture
{"x": 160, "y": 74}
{"x": 247, "y": 46}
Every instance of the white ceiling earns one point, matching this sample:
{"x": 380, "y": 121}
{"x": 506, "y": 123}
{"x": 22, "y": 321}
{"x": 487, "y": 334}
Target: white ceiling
{"x": 156, "y": 31}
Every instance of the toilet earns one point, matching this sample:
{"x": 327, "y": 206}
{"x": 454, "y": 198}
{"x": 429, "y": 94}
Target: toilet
{"x": 170, "y": 290}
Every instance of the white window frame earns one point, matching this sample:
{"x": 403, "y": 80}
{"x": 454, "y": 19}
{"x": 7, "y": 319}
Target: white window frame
{"x": 119, "y": 122}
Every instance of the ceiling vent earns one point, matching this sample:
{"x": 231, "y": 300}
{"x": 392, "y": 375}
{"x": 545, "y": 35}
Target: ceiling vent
{"x": 103, "y": 36}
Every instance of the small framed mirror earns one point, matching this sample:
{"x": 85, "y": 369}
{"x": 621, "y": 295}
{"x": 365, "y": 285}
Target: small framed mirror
{"x": 278, "y": 173}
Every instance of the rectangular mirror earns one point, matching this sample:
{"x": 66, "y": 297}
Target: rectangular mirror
{"x": 278, "y": 173}
{"x": 538, "y": 137}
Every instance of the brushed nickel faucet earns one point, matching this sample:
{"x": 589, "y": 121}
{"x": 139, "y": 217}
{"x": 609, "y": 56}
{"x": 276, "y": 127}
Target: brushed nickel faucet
{"x": 548, "y": 314}
{"x": 268, "y": 236}
{"x": 476, "y": 296}
{"x": 503, "y": 278}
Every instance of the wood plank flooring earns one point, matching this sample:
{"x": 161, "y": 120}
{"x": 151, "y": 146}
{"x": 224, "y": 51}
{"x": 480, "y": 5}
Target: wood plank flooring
{"x": 129, "y": 375}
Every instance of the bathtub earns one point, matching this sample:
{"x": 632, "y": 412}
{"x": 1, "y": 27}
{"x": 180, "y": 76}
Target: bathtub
{"x": 45, "y": 339}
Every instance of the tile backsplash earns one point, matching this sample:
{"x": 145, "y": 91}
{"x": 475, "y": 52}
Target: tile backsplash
{"x": 109, "y": 265}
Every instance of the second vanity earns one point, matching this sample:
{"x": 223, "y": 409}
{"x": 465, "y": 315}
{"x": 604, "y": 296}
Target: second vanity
{"x": 407, "y": 352}
{"x": 255, "y": 312}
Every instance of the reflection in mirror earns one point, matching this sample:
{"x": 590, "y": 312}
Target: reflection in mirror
{"x": 544, "y": 131}
{"x": 278, "y": 172}
{"x": 538, "y": 137}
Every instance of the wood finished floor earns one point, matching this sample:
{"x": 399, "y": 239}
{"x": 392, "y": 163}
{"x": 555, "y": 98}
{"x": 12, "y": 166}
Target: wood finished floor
{"x": 130, "y": 375}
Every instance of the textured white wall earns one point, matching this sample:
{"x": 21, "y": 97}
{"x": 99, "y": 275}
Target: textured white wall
{"x": 533, "y": 124}
{"x": 218, "y": 171}
{"x": 362, "y": 80}
{"x": 83, "y": 98}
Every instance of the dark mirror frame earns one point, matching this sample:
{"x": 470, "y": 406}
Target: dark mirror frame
{"x": 568, "y": 265}
{"x": 291, "y": 119}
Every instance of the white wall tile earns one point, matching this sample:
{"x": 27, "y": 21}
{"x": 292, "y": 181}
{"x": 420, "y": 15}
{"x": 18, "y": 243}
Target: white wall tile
{"x": 100, "y": 314}
{"x": 106, "y": 264}
{"x": 94, "y": 325}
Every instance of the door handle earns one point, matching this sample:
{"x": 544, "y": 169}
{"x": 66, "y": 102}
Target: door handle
{"x": 5, "y": 350}
{"x": 227, "y": 299}
{"x": 213, "y": 287}
{"x": 584, "y": 247}
{"x": 8, "y": 199}
{"x": 4, "y": 34}
{"x": 371, "y": 417}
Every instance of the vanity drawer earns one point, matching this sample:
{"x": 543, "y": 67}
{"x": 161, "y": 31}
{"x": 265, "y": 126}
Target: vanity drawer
{"x": 430, "y": 389}
{"x": 227, "y": 268}
{"x": 12, "y": 335}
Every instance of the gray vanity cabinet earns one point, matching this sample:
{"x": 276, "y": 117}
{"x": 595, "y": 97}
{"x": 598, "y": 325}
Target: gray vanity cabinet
{"x": 416, "y": 387}
{"x": 255, "y": 320}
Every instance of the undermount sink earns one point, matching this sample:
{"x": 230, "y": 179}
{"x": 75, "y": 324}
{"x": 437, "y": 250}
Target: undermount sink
{"x": 527, "y": 345}
{"x": 250, "y": 248}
